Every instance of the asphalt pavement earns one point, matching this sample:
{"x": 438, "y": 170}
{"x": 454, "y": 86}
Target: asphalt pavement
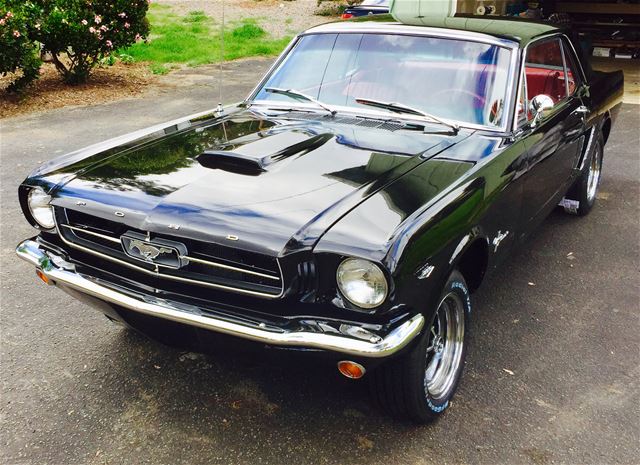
{"x": 552, "y": 374}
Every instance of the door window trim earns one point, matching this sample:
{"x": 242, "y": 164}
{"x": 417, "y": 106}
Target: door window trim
{"x": 564, "y": 39}
{"x": 567, "y": 58}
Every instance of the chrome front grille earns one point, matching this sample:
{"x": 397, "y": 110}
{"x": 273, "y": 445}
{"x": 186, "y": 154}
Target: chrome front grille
{"x": 207, "y": 264}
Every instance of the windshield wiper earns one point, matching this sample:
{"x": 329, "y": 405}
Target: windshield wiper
{"x": 296, "y": 95}
{"x": 404, "y": 109}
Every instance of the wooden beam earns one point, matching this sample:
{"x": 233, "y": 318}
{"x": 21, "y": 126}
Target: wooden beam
{"x": 598, "y": 8}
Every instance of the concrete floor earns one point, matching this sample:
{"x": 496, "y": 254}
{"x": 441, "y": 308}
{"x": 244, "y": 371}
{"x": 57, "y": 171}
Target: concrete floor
{"x": 79, "y": 390}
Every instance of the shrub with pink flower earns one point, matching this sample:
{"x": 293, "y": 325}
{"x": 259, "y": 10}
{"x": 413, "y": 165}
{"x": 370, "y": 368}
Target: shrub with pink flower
{"x": 79, "y": 33}
{"x": 19, "y": 56}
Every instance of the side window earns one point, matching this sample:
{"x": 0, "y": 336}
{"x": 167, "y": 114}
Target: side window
{"x": 573, "y": 79}
{"x": 523, "y": 105}
{"x": 544, "y": 71}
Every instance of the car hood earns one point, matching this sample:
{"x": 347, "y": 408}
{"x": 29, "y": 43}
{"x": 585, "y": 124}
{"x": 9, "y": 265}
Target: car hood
{"x": 264, "y": 183}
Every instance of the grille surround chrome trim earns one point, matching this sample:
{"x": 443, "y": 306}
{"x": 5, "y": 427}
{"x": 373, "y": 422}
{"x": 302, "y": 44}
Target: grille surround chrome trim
{"x": 157, "y": 274}
{"x": 92, "y": 233}
{"x": 228, "y": 267}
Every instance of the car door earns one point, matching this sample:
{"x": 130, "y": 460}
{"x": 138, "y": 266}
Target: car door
{"x": 554, "y": 141}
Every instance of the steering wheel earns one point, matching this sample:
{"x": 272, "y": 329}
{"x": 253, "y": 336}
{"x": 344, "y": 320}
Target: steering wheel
{"x": 479, "y": 100}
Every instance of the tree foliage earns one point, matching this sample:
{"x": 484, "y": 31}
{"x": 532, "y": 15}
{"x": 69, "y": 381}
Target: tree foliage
{"x": 18, "y": 52}
{"x": 79, "y": 33}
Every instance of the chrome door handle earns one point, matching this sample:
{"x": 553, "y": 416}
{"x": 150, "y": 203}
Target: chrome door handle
{"x": 582, "y": 110}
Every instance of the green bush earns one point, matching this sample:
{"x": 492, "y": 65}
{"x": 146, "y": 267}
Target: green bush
{"x": 18, "y": 53}
{"x": 80, "y": 34}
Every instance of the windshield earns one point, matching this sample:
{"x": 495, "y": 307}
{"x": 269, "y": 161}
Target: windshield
{"x": 458, "y": 80}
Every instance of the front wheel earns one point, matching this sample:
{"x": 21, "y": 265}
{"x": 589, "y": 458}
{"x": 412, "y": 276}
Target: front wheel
{"x": 419, "y": 385}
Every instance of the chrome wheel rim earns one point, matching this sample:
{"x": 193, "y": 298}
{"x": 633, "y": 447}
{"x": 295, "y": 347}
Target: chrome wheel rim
{"x": 444, "y": 351}
{"x": 593, "y": 179}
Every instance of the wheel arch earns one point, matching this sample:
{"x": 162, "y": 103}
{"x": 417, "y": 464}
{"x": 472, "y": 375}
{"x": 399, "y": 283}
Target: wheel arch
{"x": 471, "y": 258}
{"x": 606, "y": 127}
{"x": 473, "y": 263}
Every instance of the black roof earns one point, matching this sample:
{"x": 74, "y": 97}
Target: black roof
{"x": 517, "y": 30}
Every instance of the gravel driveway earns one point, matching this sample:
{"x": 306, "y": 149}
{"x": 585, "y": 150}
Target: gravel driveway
{"x": 279, "y": 18}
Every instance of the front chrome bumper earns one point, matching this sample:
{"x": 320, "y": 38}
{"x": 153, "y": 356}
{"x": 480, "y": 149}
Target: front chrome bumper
{"x": 63, "y": 274}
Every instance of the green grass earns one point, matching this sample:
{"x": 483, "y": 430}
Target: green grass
{"x": 194, "y": 40}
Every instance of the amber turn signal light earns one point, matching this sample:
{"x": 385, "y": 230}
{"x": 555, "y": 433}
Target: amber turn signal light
{"x": 351, "y": 370}
{"x": 44, "y": 277}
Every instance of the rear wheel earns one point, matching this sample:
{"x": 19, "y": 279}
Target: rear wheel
{"x": 584, "y": 192}
{"x": 419, "y": 385}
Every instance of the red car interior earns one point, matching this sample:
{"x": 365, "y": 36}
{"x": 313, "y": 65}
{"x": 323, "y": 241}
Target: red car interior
{"x": 545, "y": 81}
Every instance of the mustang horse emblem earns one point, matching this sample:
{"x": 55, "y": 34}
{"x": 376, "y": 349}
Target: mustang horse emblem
{"x": 148, "y": 251}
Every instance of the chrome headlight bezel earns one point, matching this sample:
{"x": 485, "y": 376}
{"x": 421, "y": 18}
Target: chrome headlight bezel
{"x": 40, "y": 209}
{"x": 368, "y": 286}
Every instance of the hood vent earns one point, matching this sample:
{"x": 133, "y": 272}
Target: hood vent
{"x": 233, "y": 161}
{"x": 251, "y": 164}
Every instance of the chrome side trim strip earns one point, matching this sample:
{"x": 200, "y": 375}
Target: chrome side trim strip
{"x": 65, "y": 277}
{"x": 228, "y": 267}
{"x": 91, "y": 233}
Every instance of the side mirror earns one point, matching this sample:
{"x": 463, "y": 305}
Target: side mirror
{"x": 539, "y": 105}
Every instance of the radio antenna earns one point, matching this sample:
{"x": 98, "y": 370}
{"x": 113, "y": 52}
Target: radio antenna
{"x": 220, "y": 109}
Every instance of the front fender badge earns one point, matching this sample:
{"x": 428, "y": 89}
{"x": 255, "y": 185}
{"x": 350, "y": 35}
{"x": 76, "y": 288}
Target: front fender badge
{"x": 425, "y": 271}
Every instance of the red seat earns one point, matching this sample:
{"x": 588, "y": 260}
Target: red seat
{"x": 545, "y": 81}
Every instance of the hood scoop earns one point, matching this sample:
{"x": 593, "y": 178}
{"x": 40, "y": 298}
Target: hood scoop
{"x": 249, "y": 159}
{"x": 233, "y": 161}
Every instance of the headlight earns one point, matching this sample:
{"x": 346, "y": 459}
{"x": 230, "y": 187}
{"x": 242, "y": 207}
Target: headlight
{"x": 363, "y": 283}
{"x": 40, "y": 209}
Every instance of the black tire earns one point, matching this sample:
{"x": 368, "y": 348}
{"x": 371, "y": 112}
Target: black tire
{"x": 585, "y": 189}
{"x": 400, "y": 386}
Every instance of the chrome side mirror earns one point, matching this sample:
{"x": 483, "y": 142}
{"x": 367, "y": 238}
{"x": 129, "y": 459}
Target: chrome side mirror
{"x": 539, "y": 105}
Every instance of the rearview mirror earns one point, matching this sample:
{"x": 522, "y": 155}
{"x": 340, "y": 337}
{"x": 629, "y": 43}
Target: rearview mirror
{"x": 539, "y": 105}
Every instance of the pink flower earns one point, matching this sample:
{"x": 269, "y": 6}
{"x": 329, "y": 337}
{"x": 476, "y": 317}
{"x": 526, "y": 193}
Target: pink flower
{"x": 2, "y": 22}
{"x": 122, "y": 15}
{"x": 137, "y": 38}
{"x": 9, "y": 14}
{"x": 37, "y": 26}
{"x": 109, "y": 44}
{"x": 84, "y": 22}
{"x": 127, "y": 25}
{"x": 104, "y": 28}
{"x": 16, "y": 34}
{"x": 97, "y": 19}
{"x": 92, "y": 30}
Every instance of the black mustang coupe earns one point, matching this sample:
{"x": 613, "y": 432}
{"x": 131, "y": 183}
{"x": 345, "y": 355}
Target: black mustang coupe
{"x": 347, "y": 208}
